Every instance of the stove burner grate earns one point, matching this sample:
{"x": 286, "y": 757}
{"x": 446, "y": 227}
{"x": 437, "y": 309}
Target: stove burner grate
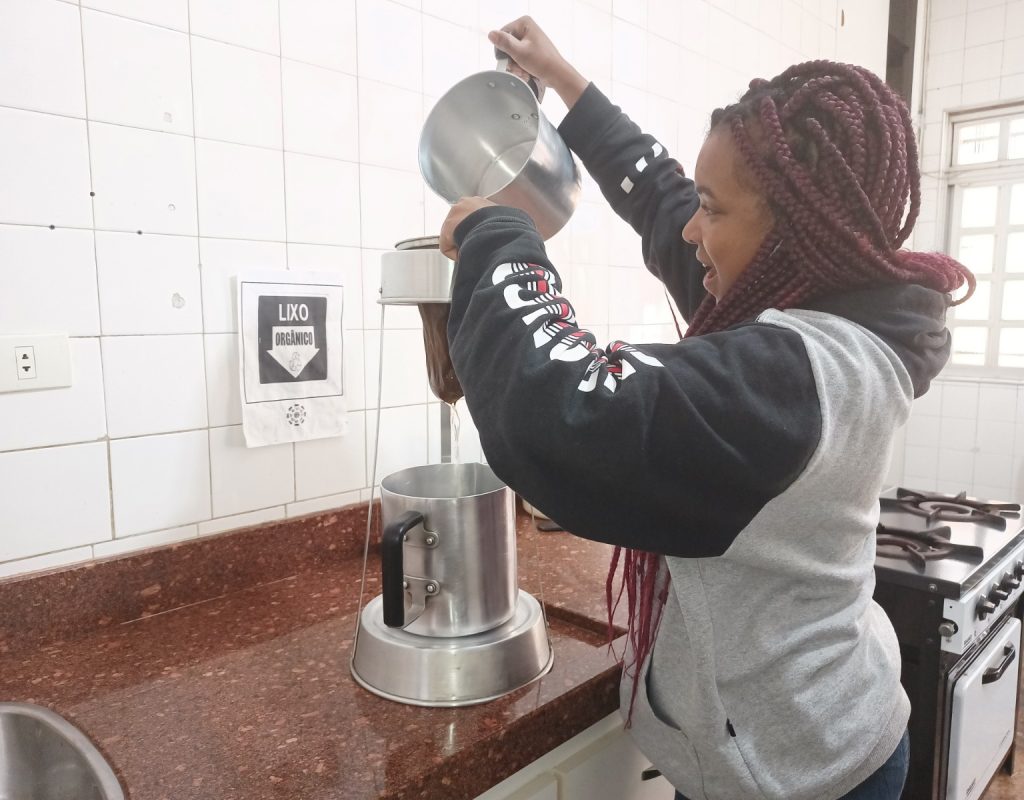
{"x": 920, "y": 547}
{"x": 952, "y": 508}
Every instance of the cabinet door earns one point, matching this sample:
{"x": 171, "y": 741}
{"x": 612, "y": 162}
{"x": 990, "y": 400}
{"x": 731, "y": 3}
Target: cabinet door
{"x": 610, "y": 771}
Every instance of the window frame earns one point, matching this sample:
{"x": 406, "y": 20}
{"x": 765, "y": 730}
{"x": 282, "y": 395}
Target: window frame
{"x": 953, "y": 179}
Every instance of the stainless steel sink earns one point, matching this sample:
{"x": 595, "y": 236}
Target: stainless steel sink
{"x": 44, "y": 757}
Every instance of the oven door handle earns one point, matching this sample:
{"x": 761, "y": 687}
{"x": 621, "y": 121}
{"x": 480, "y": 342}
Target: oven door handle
{"x": 995, "y": 673}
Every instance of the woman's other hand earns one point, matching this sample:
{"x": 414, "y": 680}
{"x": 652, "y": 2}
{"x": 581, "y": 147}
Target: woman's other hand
{"x": 459, "y": 211}
{"x": 531, "y": 50}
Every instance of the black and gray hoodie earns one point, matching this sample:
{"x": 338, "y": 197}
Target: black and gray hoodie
{"x": 750, "y": 458}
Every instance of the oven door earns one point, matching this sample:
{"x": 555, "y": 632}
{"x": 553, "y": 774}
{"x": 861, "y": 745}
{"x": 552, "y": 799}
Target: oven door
{"x": 984, "y": 703}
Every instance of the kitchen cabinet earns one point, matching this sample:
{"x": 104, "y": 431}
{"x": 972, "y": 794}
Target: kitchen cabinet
{"x": 600, "y": 763}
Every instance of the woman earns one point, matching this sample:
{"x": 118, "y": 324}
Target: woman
{"x": 737, "y": 471}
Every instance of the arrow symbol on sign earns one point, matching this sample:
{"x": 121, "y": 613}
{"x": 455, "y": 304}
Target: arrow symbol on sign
{"x": 26, "y": 368}
{"x": 294, "y": 347}
{"x": 24, "y": 356}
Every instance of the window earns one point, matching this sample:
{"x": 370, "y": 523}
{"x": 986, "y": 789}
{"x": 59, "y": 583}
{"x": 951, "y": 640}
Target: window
{"x": 986, "y": 232}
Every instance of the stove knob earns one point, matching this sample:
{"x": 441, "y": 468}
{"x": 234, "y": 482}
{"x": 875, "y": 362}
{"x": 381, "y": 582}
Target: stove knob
{"x": 998, "y": 595}
{"x": 1009, "y": 582}
{"x": 947, "y": 628}
{"x": 986, "y": 607}
{"x": 1018, "y": 570}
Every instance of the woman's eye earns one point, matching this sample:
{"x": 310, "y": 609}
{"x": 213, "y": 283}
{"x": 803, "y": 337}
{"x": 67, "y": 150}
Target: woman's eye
{"x": 707, "y": 210}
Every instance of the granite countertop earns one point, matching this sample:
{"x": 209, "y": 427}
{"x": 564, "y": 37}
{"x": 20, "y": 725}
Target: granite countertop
{"x": 248, "y": 694}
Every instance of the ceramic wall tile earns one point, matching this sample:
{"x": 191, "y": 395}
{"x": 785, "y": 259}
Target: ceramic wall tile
{"x": 956, "y": 467}
{"x": 155, "y": 92}
{"x": 167, "y": 13}
{"x": 148, "y": 284}
{"x": 449, "y": 54}
{"x": 144, "y": 180}
{"x": 48, "y": 281}
{"x": 957, "y": 434}
{"x": 983, "y": 61}
{"x": 319, "y": 504}
{"x": 332, "y": 466}
{"x": 49, "y": 561}
{"x": 235, "y": 521}
{"x": 320, "y": 32}
{"x": 249, "y": 23}
{"x": 391, "y": 206}
{"x": 629, "y": 54}
{"x": 993, "y": 470}
{"x": 960, "y": 400}
{"x": 390, "y": 120}
{"x": 405, "y": 373}
{"x": 322, "y": 200}
{"x": 160, "y": 482}
{"x": 241, "y": 191}
{"x": 144, "y": 541}
{"x": 223, "y": 396}
{"x": 42, "y": 73}
{"x": 403, "y": 439}
{"x": 154, "y": 384}
{"x": 321, "y": 111}
{"x": 48, "y": 182}
{"x": 390, "y": 42}
{"x": 237, "y": 94}
{"x": 985, "y": 25}
{"x": 244, "y": 478}
{"x": 53, "y": 499}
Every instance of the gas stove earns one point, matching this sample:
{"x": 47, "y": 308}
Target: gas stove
{"x": 949, "y": 572}
{"x": 969, "y": 551}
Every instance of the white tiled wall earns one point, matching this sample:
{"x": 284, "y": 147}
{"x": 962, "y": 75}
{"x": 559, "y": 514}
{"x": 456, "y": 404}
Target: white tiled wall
{"x": 149, "y": 149}
{"x": 967, "y": 436}
{"x": 964, "y": 435}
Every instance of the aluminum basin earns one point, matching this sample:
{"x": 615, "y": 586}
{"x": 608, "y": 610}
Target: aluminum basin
{"x": 44, "y": 757}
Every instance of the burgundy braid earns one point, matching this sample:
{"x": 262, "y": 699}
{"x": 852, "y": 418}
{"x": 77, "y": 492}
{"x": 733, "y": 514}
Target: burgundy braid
{"x": 831, "y": 148}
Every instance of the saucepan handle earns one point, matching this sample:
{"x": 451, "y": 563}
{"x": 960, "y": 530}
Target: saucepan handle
{"x": 392, "y": 567}
{"x": 534, "y": 83}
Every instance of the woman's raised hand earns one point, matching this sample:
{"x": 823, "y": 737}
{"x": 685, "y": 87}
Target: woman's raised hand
{"x": 531, "y": 49}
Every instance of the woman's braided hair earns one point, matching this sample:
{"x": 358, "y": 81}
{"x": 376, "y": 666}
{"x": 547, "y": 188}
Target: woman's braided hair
{"x": 831, "y": 149}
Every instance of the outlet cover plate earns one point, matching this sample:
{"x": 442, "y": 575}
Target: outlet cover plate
{"x": 34, "y": 361}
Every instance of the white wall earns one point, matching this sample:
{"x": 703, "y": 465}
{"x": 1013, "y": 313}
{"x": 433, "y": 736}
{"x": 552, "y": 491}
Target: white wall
{"x": 964, "y": 434}
{"x": 281, "y": 134}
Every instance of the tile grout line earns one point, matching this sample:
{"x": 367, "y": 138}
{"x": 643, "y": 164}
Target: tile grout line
{"x": 199, "y": 254}
{"x": 362, "y": 275}
{"x": 99, "y": 305}
{"x": 284, "y": 192}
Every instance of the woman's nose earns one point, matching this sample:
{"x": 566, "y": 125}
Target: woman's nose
{"x": 690, "y": 231}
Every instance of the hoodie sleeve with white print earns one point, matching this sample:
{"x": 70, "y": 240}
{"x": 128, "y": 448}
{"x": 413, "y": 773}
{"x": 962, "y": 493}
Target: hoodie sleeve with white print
{"x": 670, "y": 448}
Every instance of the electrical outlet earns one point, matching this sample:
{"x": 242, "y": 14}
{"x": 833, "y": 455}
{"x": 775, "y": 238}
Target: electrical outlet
{"x": 34, "y": 361}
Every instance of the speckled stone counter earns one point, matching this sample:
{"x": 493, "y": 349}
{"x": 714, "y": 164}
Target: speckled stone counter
{"x": 217, "y": 670}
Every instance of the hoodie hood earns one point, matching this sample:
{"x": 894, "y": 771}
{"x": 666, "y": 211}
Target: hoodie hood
{"x": 910, "y": 319}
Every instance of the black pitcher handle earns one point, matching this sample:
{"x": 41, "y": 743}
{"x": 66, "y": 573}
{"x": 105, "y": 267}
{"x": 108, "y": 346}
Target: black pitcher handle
{"x": 392, "y": 567}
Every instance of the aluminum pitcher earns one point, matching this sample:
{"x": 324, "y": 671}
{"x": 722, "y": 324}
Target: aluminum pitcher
{"x": 488, "y": 137}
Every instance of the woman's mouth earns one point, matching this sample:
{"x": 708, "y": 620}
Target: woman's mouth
{"x": 710, "y": 279}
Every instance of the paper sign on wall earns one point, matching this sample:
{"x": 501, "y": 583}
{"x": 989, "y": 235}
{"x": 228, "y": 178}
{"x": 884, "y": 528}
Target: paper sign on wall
{"x": 291, "y": 364}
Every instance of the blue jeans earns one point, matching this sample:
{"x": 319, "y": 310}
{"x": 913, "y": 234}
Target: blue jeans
{"x": 886, "y": 783}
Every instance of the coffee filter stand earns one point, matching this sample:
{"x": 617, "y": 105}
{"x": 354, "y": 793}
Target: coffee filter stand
{"x": 438, "y": 670}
